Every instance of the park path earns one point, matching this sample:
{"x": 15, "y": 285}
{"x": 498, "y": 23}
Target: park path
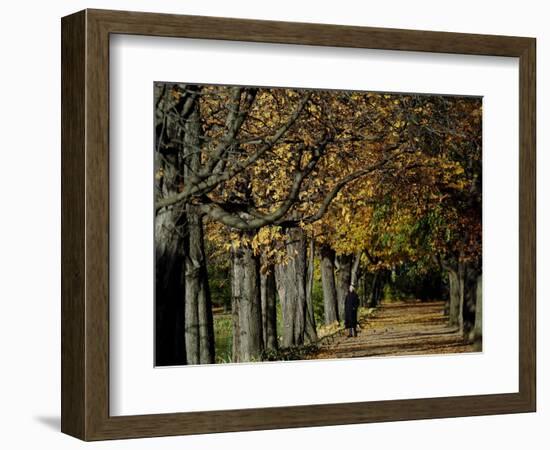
{"x": 398, "y": 328}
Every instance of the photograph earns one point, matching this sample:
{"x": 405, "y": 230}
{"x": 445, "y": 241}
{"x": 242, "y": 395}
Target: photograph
{"x": 254, "y": 200}
{"x": 295, "y": 223}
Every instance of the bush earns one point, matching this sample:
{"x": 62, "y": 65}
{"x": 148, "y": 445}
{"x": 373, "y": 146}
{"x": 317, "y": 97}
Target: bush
{"x": 290, "y": 353}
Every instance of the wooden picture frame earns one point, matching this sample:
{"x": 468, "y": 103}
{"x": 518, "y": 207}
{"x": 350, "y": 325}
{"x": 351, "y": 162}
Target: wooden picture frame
{"x": 85, "y": 225}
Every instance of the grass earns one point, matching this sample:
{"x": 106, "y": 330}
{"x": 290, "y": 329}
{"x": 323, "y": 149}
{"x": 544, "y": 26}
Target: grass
{"x": 223, "y": 337}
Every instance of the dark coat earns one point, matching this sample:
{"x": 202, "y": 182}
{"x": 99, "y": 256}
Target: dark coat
{"x": 350, "y": 310}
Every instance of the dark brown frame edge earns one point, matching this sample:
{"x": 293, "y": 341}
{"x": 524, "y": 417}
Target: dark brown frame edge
{"x": 85, "y": 225}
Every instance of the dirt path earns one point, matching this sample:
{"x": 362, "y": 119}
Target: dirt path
{"x": 398, "y": 328}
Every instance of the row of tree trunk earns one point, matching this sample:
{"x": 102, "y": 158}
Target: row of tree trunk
{"x": 254, "y": 294}
{"x": 465, "y": 300}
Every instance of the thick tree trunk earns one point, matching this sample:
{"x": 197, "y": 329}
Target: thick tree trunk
{"x": 470, "y": 298}
{"x": 169, "y": 289}
{"x": 247, "y": 305}
{"x": 199, "y": 329}
{"x": 199, "y": 323}
{"x": 478, "y": 327}
{"x": 291, "y": 286}
{"x": 343, "y": 280}
{"x": 170, "y": 230}
{"x": 269, "y": 308}
{"x": 456, "y": 296}
{"x": 329, "y": 284}
{"x": 311, "y": 327}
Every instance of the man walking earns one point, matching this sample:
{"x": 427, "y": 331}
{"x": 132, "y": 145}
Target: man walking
{"x": 350, "y": 312}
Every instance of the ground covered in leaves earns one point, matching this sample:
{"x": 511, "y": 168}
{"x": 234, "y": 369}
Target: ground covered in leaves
{"x": 398, "y": 328}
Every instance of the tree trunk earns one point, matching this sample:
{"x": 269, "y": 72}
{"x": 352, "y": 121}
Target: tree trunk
{"x": 471, "y": 273}
{"x": 247, "y": 305}
{"x": 355, "y": 269}
{"x": 377, "y": 289}
{"x": 456, "y": 296}
{"x": 169, "y": 288}
{"x": 343, "y": 280}
{"x": 170, "y": 230}
{"x": 329, "y": 285}
{"x": 236, "y": 329}
{"x": 269, "y": 308}
{"x": 199, "y": 323}
{"x": 356, "y": 275}
{"x": 311, "y": 328}
{"x": 478, "y": 326}
{"x": 291, "y": 286}
{"x": 199, "y": 329}
{"x": 365, "y": 293}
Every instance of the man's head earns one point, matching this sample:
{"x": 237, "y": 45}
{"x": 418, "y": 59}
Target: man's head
{"x": 351, "y": 288}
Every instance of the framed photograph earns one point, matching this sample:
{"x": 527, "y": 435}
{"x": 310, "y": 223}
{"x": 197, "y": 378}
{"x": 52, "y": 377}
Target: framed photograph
{"x": 271, "y": 225}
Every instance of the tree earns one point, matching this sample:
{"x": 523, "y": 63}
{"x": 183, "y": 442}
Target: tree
{"x": 246, "y": 304}
{"x": 170, "y": 230}
{"x": 291, "y": 285}
{"x": 343, "y": 280}
{"x": 276, "y": 168}
{"x": 269, "y": 307}
{"x": 311, "y": 327}
{"x": 329, "y": 284}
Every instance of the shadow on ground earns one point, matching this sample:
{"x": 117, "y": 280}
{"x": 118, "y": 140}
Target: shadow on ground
{"x": 52, "y": 422}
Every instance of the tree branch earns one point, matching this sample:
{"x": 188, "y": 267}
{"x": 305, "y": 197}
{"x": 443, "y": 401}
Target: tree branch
{"x": 213, "y": 180}
{"x": 343, "y": 182}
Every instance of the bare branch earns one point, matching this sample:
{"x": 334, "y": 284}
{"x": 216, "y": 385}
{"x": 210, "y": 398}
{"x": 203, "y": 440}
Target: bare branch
{"x": 213, "y": 180}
